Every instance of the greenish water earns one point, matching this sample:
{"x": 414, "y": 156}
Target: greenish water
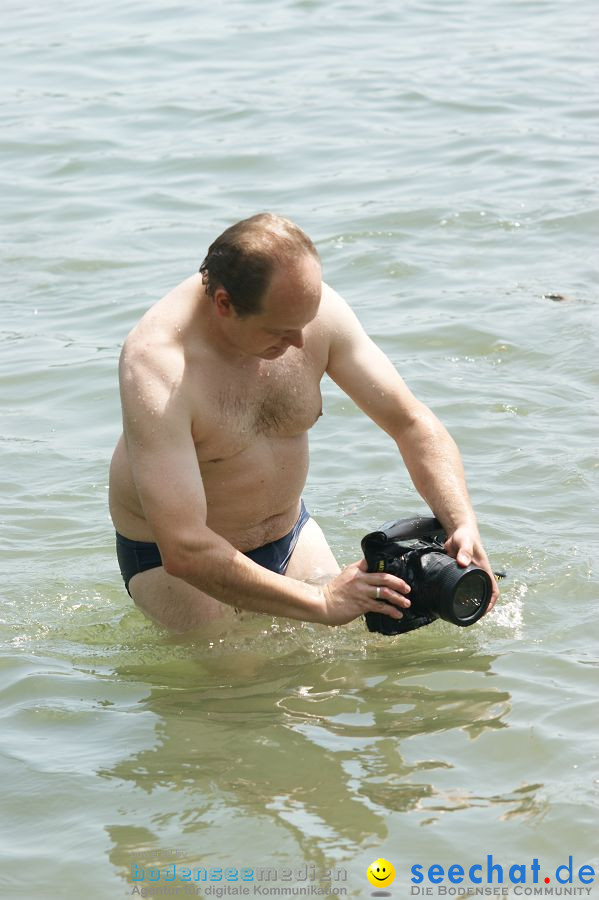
{"x": 443, "y": 156}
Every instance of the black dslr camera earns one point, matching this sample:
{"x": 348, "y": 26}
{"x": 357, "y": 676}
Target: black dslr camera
{"x": 412, "y": 549}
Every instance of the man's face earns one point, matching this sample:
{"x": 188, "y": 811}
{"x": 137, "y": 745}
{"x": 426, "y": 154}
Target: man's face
{"x": 291, "y": 302}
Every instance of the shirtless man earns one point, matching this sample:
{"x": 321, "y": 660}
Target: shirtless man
{"x": 220, "y": 383}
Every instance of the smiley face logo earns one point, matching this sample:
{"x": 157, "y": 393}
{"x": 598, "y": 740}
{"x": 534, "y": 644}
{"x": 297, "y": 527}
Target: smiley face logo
{"x": 380, "y": 873}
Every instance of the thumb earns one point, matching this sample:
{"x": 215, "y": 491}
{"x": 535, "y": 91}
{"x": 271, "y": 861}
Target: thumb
{"x": 464, "y": 557}
{"x": 362, "y": 565}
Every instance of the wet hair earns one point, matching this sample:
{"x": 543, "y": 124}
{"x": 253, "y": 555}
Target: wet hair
{"x": 243, "y": 259}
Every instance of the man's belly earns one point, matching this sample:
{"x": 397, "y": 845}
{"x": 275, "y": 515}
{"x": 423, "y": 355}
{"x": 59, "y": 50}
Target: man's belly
{"x": 252, "y": 497}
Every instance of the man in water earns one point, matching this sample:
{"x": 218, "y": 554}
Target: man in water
{"x": 220, "y": 383}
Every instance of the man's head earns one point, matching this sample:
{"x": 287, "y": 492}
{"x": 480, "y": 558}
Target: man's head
{"x": 243, "y": 259}
{"x": 263, "y": 276}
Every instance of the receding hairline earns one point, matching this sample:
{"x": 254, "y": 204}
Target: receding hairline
{"x": 273, "y": 235}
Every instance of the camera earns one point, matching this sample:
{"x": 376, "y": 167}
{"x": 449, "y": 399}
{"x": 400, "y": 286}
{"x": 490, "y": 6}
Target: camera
{"x": 412, "y": 549}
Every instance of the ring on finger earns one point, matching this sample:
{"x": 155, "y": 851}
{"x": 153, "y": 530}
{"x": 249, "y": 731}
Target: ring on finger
{"x": 378, "y": 593}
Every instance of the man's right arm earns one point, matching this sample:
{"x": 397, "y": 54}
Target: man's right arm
{"x": 161, "y": 451}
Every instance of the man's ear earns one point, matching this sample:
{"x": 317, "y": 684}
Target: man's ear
{"x": 222, "y": 303}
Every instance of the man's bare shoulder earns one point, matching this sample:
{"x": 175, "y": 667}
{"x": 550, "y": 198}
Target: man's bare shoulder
{"x": 333, "y": 314}
{"x": 154, "y": 348}
{"x": 332, "y": 304}
{"x": 150, "y": 356}
{"x": 338, "y": 321}
{"x": 151, "y": 367}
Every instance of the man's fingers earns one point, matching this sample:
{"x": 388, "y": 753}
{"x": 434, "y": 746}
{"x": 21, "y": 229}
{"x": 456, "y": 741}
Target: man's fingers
{"x": 387, "y": 609}
{"x": 389, "y": 595}
{"x": 494, "y": 596}
{"x": 385, "y": 580}
{"x": 385, "y": 592}
{"x": 461, "y": 550}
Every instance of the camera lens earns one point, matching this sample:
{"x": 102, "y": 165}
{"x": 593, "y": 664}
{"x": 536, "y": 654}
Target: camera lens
{"x": 469, "y": 595}
{"x": 458, "y": 595}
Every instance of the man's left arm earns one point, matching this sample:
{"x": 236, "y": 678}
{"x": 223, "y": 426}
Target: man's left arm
{"x": 430, "y": 454}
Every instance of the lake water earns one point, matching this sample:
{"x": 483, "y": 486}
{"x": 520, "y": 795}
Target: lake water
{"x": 443, "y": 157}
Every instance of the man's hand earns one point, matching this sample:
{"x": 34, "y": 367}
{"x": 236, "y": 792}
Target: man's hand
{"x": 354, "y": 592}
{"x": 465, "y": 545}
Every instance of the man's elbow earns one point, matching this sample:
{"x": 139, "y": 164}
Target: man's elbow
{"x": 176, "y": 564}
{"x": 421, "y": 425}
{"x": 185, "y": 559}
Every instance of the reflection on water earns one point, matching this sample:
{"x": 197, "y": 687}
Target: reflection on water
{"x": 286, "y": 743}
{"x": 311, "y": 750}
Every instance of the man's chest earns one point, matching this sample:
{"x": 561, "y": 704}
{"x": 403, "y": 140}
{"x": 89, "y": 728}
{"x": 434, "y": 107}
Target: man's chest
{"x": 281, "y": 398}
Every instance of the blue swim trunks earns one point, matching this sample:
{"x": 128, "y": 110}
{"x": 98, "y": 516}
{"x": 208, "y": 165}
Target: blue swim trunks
{"x": 139, "y": 556}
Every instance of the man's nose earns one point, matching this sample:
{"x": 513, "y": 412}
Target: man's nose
{"x": 296, "y": 339}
